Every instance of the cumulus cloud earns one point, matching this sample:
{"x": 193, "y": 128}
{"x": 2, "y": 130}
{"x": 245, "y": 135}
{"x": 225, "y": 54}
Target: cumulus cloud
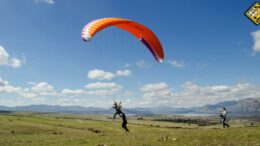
{"x": 5, "y": 87}
{"x": 256, "y": 37}
{"x": 123, "y": 72}
{"x": 98, "y": 74}
{"x": 51, "y": 2}
{"x": 32, "y": 83}
{"x": 175, "y": 63}
{"x": 43, "y": 88}
{"x": 154, "y": 91}
{"x": 71, "y": 101}
{"x": 6, "y": 60}
{"x": 98, "y": 88}
{"x": 4, "y": 56}
{"x": 3, "y": 82}
{"x": 97, "y": 102}
{"x": 191, "y": 94}
{"x": 37, "y": 91}
{"x": 15, "y": 63}
{"x": 154, "y": 94}
{"x": 98, "y": 85}
{"x": 128, "y": 93}
{"x": 72, "y": 92}
{"x": 103, "y": 88}
{"x": 154, "y": 87}
{"x": 102, "y": 92}
{"x": 9, "y": 89}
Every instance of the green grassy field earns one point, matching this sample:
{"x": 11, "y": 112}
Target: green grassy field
{"x": 97, "y": 130}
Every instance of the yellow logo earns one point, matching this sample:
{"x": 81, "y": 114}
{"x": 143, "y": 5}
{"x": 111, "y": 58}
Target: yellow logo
{"x": 253, "y": 13}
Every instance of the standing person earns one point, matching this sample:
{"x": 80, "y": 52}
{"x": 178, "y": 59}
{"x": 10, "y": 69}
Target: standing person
{"x": 124, "y": 121}
{"x": 117, "y": 107}
{"x": 223, "y": 116}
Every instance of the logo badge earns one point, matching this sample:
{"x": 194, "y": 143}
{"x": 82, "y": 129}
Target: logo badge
{"x": 253, "y": 13}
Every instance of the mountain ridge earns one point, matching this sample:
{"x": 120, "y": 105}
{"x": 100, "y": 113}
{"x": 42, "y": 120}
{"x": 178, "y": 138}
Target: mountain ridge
{"x": 243, "y": 107}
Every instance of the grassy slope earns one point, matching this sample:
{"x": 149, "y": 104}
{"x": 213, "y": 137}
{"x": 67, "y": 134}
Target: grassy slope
{"x": 49, "y": 130}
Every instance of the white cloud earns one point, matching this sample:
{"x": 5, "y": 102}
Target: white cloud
{"x": 154, "y": 87}
{"x": 5, "y": 87}
{"x": 9, "y": 89}
{"x": 102, "y": 92}
{"x": 102, "y": 88}
{"x": 32, "y": 83}
{"x": 98, "y": 88}
{"x": 3, "y": 83}
{"x": 6, "y": 60}
{"x": 51, "y": 2}
{"x": 88, "y": 102}
{"x": 28, "y": 94}
{"x": 98, "y": 85}
{"x": 36, "y": 93}
{"x": 70, "y": 101}
{"x": 143, "y": 64}
{"x": 191, "y": 94}
{"x": 220, "y": 88}
{"x": 128, "y": 93}
{"x": 37, "y": 90}
{"x": 43, "y": 88}
{"x": 72, "y": 92}
{"x": 4, "y": 56}
{"x": 154, "y": 94}
{"x": 154, "y": 91}
{"x": 78, "y": 92}
{"x": 123, "y": 73}
{"x": 256, "y": 37}
{"x": 100, "y": 75}
{"x": 175, "y": 63}
{"x": 15, "y": 63}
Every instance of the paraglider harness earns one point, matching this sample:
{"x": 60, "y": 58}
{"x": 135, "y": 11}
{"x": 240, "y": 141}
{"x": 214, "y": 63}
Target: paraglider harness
{"x": 223, "y": 118}
{"x": 124, "y": 123}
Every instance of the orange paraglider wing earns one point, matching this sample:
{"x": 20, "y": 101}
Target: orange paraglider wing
{"x": 139, "y": 31}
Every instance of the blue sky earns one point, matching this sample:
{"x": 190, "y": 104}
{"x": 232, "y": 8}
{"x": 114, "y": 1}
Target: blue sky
{"x": 211, "y": 53}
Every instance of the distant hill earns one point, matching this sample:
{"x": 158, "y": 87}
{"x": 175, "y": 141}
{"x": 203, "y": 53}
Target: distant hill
{"x": 244, "y": 107}
{"x": 71, "y": 109}
{"x": 56, "y": 108}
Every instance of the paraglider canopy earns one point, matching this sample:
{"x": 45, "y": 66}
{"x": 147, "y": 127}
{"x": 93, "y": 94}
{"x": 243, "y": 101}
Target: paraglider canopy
{"x": 144, "y": 34}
